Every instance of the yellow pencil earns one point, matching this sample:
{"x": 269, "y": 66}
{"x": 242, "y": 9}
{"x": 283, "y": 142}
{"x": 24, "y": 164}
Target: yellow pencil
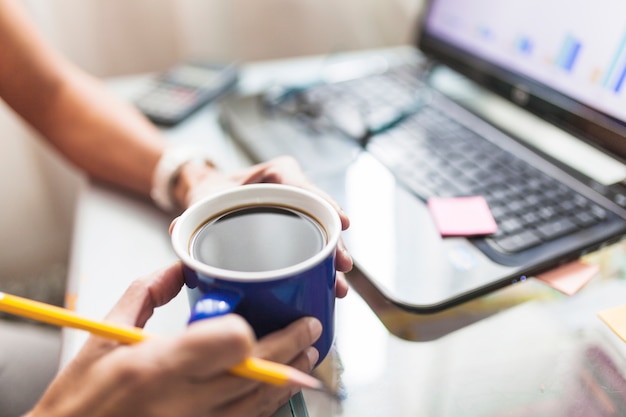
{"x": 253, "y": 368}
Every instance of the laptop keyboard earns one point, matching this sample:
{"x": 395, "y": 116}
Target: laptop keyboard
{"x": 433, "y": 155}
{"x": 361, "y": 107}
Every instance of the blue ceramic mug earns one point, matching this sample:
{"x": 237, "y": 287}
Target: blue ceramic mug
{"x": 263, "y": 251}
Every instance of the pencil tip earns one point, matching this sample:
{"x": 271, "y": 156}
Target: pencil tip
{"x": 305, "y": 380}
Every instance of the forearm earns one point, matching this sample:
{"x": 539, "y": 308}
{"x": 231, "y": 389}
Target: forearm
{"x": 102, "y": 135}
{"x": 105, "y": 137}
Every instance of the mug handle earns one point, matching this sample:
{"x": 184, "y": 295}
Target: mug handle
{"x": 217, "y": 302}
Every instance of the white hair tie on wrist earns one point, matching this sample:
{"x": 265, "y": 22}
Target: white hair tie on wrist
{"x": 167, "y": 170}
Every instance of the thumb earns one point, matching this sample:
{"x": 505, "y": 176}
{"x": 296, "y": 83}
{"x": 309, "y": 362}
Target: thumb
{"x": 145, "y": 294}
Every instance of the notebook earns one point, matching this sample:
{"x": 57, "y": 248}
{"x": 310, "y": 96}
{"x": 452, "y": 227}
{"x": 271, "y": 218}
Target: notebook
{"x": 522, "y": 103}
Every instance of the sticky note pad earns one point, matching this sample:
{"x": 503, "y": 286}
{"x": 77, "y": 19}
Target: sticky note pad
{"x": 615, "y": 318}
{"x": 569, "y": 278}
{"x": 462, "y": 216}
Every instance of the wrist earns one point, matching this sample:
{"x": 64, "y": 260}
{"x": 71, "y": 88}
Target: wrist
{"x": 177, "y": 171}
{"x": 190, "y": 175}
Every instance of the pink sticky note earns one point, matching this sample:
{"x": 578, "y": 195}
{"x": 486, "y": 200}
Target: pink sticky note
{"x": 569, "y": 278}
{"x": 462, "y": 216}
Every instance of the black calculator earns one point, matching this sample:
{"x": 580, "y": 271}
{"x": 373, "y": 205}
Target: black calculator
{"x": 181, "y": 90}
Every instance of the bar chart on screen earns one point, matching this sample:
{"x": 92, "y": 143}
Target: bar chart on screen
{"x": 578, "y": 49}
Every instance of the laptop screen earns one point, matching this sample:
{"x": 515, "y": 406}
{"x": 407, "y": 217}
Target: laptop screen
{"x": 570, "y": 54}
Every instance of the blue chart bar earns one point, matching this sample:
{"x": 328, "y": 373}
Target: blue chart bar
{"x": 619, "y": 58}
{"x": 569, "y": 52}
{"x": 620, "y": 80}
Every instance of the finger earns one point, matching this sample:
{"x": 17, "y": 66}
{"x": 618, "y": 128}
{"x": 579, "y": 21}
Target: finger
{"x": 228, "y": 390}
{"x": 145, "y": 294}
{"x": 343, "y": 260}
{"x": 172, "y": 224}
{"x": 286, "y": 344}
{"x": 231, "y": 386}
{"x": 265, "y": 399}
{"x": 341, "y": 285}
{"x": 228, "y": 387}
{"x": 290, "y": 172}
{"x": 286, "y": 170}
{"x": 261, "y": 402}
{"x": 203, "y": 357}
{"x": 345, "y": 220}
{"x": 212, "y": 346}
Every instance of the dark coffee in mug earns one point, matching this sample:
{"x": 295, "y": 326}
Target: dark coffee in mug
{"x": 257, "y": 239}
{"x": 263, "y": 251}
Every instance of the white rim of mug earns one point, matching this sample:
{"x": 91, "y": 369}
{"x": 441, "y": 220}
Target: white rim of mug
{"x": 180, "y": 243}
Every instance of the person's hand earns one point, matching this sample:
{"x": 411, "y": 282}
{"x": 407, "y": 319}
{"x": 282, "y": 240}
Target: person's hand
{"x": 197, "y": 182}
{"x": 184, "y": 376}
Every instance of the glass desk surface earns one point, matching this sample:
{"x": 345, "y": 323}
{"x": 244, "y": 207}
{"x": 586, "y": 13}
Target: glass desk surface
{"x": 523, "y": 351}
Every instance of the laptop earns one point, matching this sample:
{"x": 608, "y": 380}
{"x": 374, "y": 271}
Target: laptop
{"x": 521, "y": 102}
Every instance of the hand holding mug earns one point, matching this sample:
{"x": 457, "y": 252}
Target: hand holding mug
{"x": 185, "y": 376}
{"x": 263, "y": 251}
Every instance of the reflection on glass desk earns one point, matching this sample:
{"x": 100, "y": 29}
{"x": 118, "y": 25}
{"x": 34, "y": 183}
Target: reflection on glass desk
{"x": 523, "y": 351}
